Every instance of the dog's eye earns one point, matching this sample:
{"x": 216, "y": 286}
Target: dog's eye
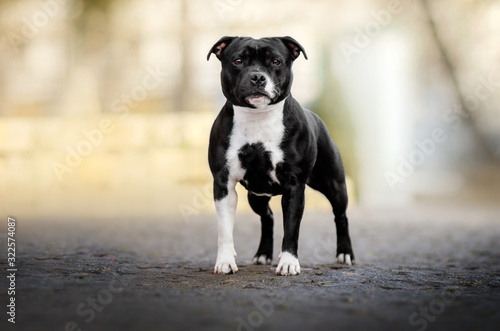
{"x": 238, "y": 61}
{"x": 276, "y": 62}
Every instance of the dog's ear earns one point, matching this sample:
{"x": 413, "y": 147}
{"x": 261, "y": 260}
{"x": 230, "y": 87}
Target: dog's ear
{"x": 219, "y": 46}
{"x": 294, "y": 47}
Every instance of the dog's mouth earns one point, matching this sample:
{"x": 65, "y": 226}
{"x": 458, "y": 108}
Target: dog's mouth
{"x": 258, "y": 100}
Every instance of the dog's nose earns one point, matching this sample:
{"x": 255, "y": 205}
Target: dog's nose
{"x": 258, "y": 79}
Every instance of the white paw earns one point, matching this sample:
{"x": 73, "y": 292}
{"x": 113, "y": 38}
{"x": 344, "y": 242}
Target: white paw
{"x": 261, "y": 260}
{"x": 226, "y": 263}
{"x": 344, "y": 259}
{"x": 288, "y": 265}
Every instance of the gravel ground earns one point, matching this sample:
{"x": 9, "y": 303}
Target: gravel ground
{"x": 418, "y": 268}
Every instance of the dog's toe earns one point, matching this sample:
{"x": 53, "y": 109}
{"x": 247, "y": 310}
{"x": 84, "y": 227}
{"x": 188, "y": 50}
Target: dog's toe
{"x": 225, "y": 268}
{"x": 226, "y": 263}
{"x": 345, "y": 259}
{"x": 288, "y": 265}
{"x": 261, "y": 259}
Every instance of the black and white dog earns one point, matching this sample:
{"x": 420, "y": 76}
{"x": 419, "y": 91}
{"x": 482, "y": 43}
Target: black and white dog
{"x": 264, "y": 139}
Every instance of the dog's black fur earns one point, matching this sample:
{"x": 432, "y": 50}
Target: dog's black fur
{"x": 309, "y": 154}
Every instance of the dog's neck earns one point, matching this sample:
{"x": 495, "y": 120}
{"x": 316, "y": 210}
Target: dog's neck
{"x": 248, "y": 113}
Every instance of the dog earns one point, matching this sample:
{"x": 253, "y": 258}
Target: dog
{"x": 265, "y": 140}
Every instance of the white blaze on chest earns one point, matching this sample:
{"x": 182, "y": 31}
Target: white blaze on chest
{"x": 253, "y": 126}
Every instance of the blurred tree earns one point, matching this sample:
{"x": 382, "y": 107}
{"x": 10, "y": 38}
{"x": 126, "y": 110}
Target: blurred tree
{"x": 483, "y": 146}
{"x": 87, "y": 8}
{"x": 87, "y": 45}
{"x": 183, "y": 96}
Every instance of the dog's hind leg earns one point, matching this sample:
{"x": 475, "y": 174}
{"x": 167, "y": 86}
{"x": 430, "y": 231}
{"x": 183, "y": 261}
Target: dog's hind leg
{"x": 336, "y": 193}
{"x": 260, "y": 205}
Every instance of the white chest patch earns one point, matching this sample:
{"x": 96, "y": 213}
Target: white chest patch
{"x": 250, "y": 126}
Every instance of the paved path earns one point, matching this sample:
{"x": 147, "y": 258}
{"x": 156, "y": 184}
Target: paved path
{"x": 417, "y": 269}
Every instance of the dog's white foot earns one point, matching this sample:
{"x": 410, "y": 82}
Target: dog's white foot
{"x": 345, "y": 259}
{"x": 226, "y": 263}
{"x": 261, "y": 259}
{"x": 288, "y": 265}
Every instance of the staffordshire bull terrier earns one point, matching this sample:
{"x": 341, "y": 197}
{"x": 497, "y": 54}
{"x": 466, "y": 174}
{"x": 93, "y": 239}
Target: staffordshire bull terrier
{"x": 266, "y": 141}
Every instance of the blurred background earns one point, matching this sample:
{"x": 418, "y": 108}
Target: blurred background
{"x": 106, "y": 106}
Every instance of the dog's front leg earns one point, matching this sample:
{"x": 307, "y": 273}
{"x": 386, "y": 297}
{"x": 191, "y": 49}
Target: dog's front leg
{"x": 292, "y": 203}
{"x": 225, "y": 208}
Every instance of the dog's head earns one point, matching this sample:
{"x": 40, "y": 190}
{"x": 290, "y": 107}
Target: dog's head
{"x": 256, "y": 72}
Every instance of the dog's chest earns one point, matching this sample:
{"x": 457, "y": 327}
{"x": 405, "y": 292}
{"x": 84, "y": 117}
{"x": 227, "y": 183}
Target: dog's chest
{"x": 254, "y": 150}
